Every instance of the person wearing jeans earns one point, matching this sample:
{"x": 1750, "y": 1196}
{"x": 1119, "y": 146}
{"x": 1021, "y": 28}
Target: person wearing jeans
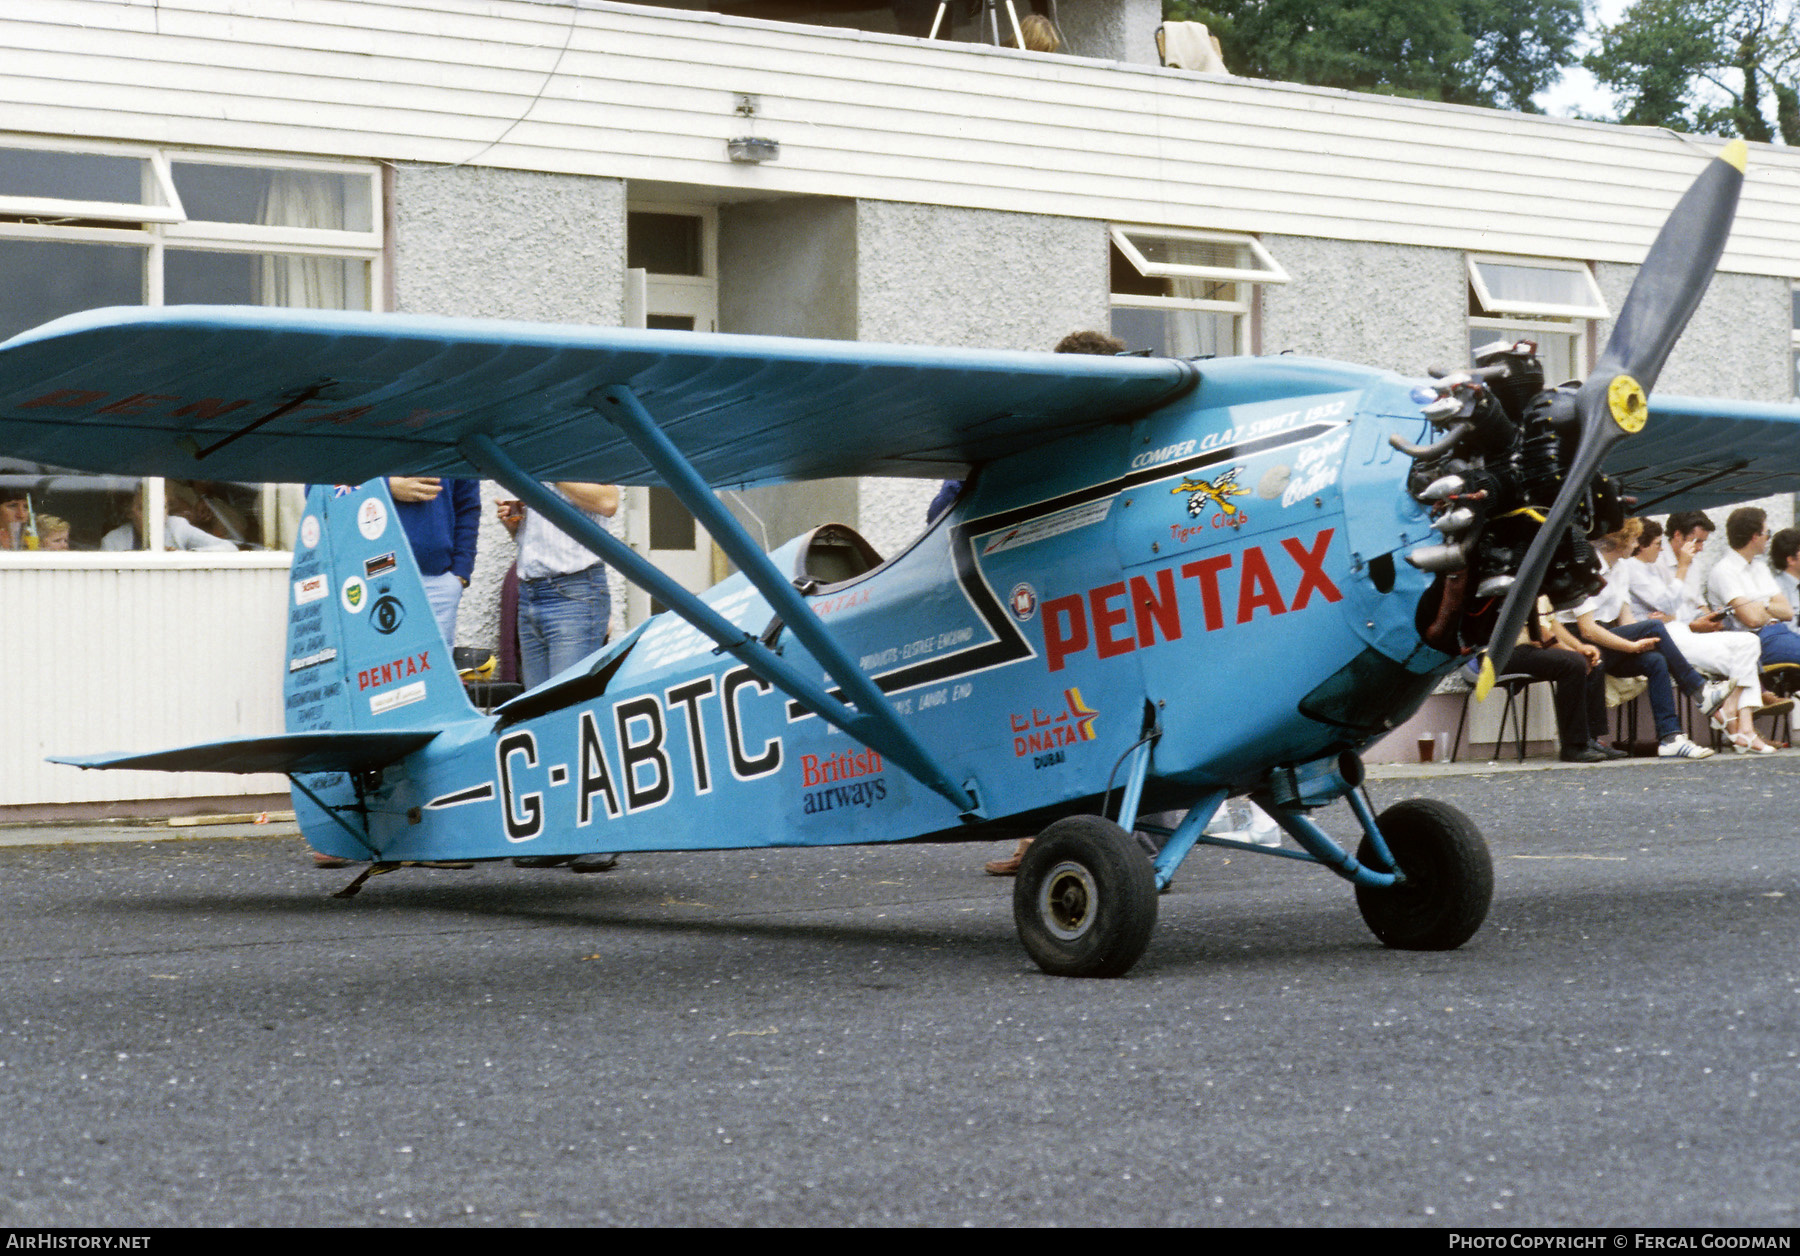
{"x": 1634, "y": 647}
{"x": 565, "y": 608}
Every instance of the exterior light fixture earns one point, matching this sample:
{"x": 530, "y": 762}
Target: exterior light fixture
{"x": 753, "y": 149}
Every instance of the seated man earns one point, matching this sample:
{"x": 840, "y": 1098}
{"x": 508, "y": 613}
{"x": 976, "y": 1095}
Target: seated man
{"x": 1784, "y": 562}
{"x": 1655, "y": 592}
{"x": 1633, "y": 647}
{"x": 1549, "y": 651}
{"x": 1744, "y": 587}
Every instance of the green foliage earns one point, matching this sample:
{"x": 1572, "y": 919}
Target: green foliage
{"x": 1474, "y": 52}
{"x": 1714, "y": 66}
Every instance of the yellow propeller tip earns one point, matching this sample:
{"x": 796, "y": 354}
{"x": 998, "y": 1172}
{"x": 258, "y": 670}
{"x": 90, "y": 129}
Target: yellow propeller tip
{"x": 1736, "y": 154}
{"x": 1484, "y": 684}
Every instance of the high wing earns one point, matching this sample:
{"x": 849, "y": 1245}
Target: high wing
{"x": 250, "y": 393}
{"x": 1696, "y": 453}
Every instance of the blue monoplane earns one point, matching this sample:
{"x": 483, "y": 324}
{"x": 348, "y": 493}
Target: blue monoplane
{"x": 1165, "y": 582}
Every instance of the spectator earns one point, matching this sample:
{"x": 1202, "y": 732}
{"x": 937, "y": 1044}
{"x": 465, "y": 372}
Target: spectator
{"x": 565, "y": 607}
{"x": 1784, "y": 561}
{"x": 15, "y": 514}
{"x": 441, "y": 518}
{"x": 1743, "y": 586}
{"x": 1654, "y": 592}
{"x": 1634, "y": 647}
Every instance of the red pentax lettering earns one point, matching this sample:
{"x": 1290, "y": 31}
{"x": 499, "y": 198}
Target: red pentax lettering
{"x": 1135, "y": 614}
{"x": 387, "y": 673}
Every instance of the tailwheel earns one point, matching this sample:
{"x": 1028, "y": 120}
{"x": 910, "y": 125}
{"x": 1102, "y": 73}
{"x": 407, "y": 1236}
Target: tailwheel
{"x": 1085, "y": 899}
{"x": 1449, "y": 878}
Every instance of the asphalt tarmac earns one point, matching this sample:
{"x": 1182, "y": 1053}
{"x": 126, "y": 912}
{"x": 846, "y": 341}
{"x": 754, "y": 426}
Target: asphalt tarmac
{"x": 193, "y": 1033}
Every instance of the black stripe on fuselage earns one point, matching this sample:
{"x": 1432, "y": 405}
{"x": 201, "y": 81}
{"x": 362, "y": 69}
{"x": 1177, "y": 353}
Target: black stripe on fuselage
{"x": 1009, "y": 644}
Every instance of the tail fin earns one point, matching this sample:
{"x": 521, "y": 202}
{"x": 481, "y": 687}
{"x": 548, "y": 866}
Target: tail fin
{"x": 364, "y": 650}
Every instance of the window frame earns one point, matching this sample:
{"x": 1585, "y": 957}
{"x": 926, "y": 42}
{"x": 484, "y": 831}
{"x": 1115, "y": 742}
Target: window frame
{"x": 1526, "y": 320}
{"x": 1245, "y": 281}
{"x": 1504, "y": 308}
{"x": 158, "y": 228}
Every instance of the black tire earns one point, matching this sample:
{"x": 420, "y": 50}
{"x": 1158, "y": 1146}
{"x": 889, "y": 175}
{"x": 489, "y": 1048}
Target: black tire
{"x": 1085, "y": 899}
{"x": 1449, "y": 878}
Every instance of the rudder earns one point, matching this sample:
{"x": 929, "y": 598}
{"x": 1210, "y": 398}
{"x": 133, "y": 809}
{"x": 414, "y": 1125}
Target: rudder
{"x": 364, "y": 650}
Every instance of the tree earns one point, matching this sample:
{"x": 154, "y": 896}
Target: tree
{"x": 1713, "y": 66}
{"x": 1498, "y": 53}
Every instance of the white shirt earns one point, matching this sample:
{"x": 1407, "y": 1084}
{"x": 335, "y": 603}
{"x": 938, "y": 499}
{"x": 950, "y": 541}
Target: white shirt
{"x": 1652, "y": 589}
{"x": 1790, "y": 589}
{"x": 178, "y": 534}
{"x": 1734, "y": 577}
{"x": 546, "y": 550}
{"x": 1606, "y": 605}
{"x": 1693, "y": 586}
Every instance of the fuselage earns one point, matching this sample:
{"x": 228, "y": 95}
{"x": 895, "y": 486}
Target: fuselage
{"x": 1219, "y": 574}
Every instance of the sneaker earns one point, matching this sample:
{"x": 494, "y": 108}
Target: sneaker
{"x": 1679, "y": 747}
{"x": 1713, "y": 696}
{"x": 1583, "y": 754}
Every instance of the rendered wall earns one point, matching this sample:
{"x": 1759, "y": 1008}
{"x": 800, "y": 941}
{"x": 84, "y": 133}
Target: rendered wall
{"x": 494, "y": 243}
{"x": 1738, "y": 344}
{"x": 788, "y": 268}
{"x": 1386, "y": 305}
{"x": 972, "y": 278}
{"x": 1122, "y": 31}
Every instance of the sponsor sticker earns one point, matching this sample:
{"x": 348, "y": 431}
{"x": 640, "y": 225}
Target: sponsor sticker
{"x": 311, "y": 660}
{"x": 389, "y": 614}
{"x": 379, "y": 565}
{"x": 310, "y": 589}
{"x": 1050, "y": 525}
{"x": 371, "y": 519}
{"x": 1218, "y": 492}
{"x": 1316, "y": 468}
{"x": 1043, "y": 731}
{"x": 309, "y": 531}
{"x": 406, "y": 695}
{"x": 355, "y": 595}
{"x": 1023, "y": 601}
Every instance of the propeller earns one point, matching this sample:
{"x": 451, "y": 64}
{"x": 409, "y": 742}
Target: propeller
{"x": 1613, "y": 402}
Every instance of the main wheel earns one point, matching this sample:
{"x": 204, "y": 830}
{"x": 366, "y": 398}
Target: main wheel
{"x": 1085, "y": 899}
{"x": 1449, "y": 878}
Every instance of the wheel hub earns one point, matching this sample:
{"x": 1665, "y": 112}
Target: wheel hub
{"x": 1066, "y": 902}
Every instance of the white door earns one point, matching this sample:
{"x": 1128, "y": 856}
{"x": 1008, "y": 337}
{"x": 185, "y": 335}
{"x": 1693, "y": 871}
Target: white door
{"x": 672, "y": 284}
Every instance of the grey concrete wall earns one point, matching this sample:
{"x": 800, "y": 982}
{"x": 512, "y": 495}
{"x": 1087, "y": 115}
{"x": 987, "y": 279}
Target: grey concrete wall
{"x": 1392, "y": 306}
{"x": 967, "y": 277}
{"x": 788, "y": 268}
{"x": 1738, "y": 344}
{"x": 471, "y": 240}
{"x": 1117, "y": 30}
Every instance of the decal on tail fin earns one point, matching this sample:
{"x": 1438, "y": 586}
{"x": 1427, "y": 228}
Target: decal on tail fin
{"x": 364, "y": 650}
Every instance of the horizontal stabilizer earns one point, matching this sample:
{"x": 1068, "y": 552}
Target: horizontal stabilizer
{"x": 320, "y": 751}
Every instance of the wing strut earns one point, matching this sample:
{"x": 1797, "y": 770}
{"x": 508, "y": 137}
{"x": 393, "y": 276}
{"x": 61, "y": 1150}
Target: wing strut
{"x": 873, "y": 722}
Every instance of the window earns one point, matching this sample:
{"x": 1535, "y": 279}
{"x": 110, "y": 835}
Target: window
{"x": 118, "y": 225}
{"x": 1547, "y": 301}
{"x": 1187, "y": 293}
{"x": 1794, "y": 337}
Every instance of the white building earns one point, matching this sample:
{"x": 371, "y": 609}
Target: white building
{"x": 574, "y": 161}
